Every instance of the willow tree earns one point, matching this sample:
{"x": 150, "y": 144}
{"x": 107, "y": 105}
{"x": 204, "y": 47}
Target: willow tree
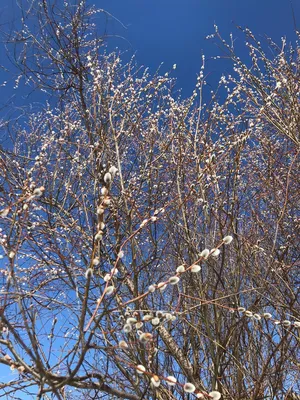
{"x": 149, "y": 242}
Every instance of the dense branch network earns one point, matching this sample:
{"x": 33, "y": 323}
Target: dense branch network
{"x": 148, "y": 242}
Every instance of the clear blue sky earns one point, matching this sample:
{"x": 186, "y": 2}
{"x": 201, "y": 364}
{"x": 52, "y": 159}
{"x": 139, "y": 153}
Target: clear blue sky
{"x": 174, "y": 31}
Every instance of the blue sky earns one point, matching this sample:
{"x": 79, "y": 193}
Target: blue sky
{"x": 173, "y": 31}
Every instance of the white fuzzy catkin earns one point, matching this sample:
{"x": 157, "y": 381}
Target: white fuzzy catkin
{"x": 151, "y": 288}
{"x": 109, "y": 290}
{"x": 171, "y": 380}
{"x": 100, "y": 210}
{"x": 155, "y": 381}
{"x": 161, "y": 286}
{"x": 143, "y": 223}
{"x": 215, "y": 252}
{"x": 123, "y": 344}
{"x": 4, "y": 213}
{"x": 99, "y": 236}
{"x": 147, "y": 317}
{"x": 215, "y": 395}
{"x": 180, "y": 269}
{"x": 127, "y": 328}
{"x": 227, "y": 239}
{"x": 196, "y": 268}
{"x": 286, "y": 323}
{"x": 96, "y": 261}
{"x": 101, "y": 226}
{"x": 204, "y": 254}
{"x": 88, "y": 273}
{"x": 267, "y": 315}
{"x": 107, "y": 178}
{"x": 113, "y": 170}
{"x": 140, "y": 369}
{"x": 106, "y": 202}
{"x": 189, "y": 387}
{"x": 145, "y": 337}
{"x": 174, "y": 280}
{"x": 104, "y": 191}
{"x": 131, "y": 320}
{"x": 121, "y": 254}
{"x": 38, "y": 191}
{"x": 114, "y": 271}
{"x": 155, "y": 321}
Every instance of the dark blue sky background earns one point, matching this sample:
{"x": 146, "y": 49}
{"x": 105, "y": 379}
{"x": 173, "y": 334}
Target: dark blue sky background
{"x": 169, "y": 31}
{"x": 174, "y": 31}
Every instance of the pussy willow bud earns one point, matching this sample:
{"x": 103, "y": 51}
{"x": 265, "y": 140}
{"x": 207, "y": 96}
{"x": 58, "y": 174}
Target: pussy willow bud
{"x": 107, "y": 178}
